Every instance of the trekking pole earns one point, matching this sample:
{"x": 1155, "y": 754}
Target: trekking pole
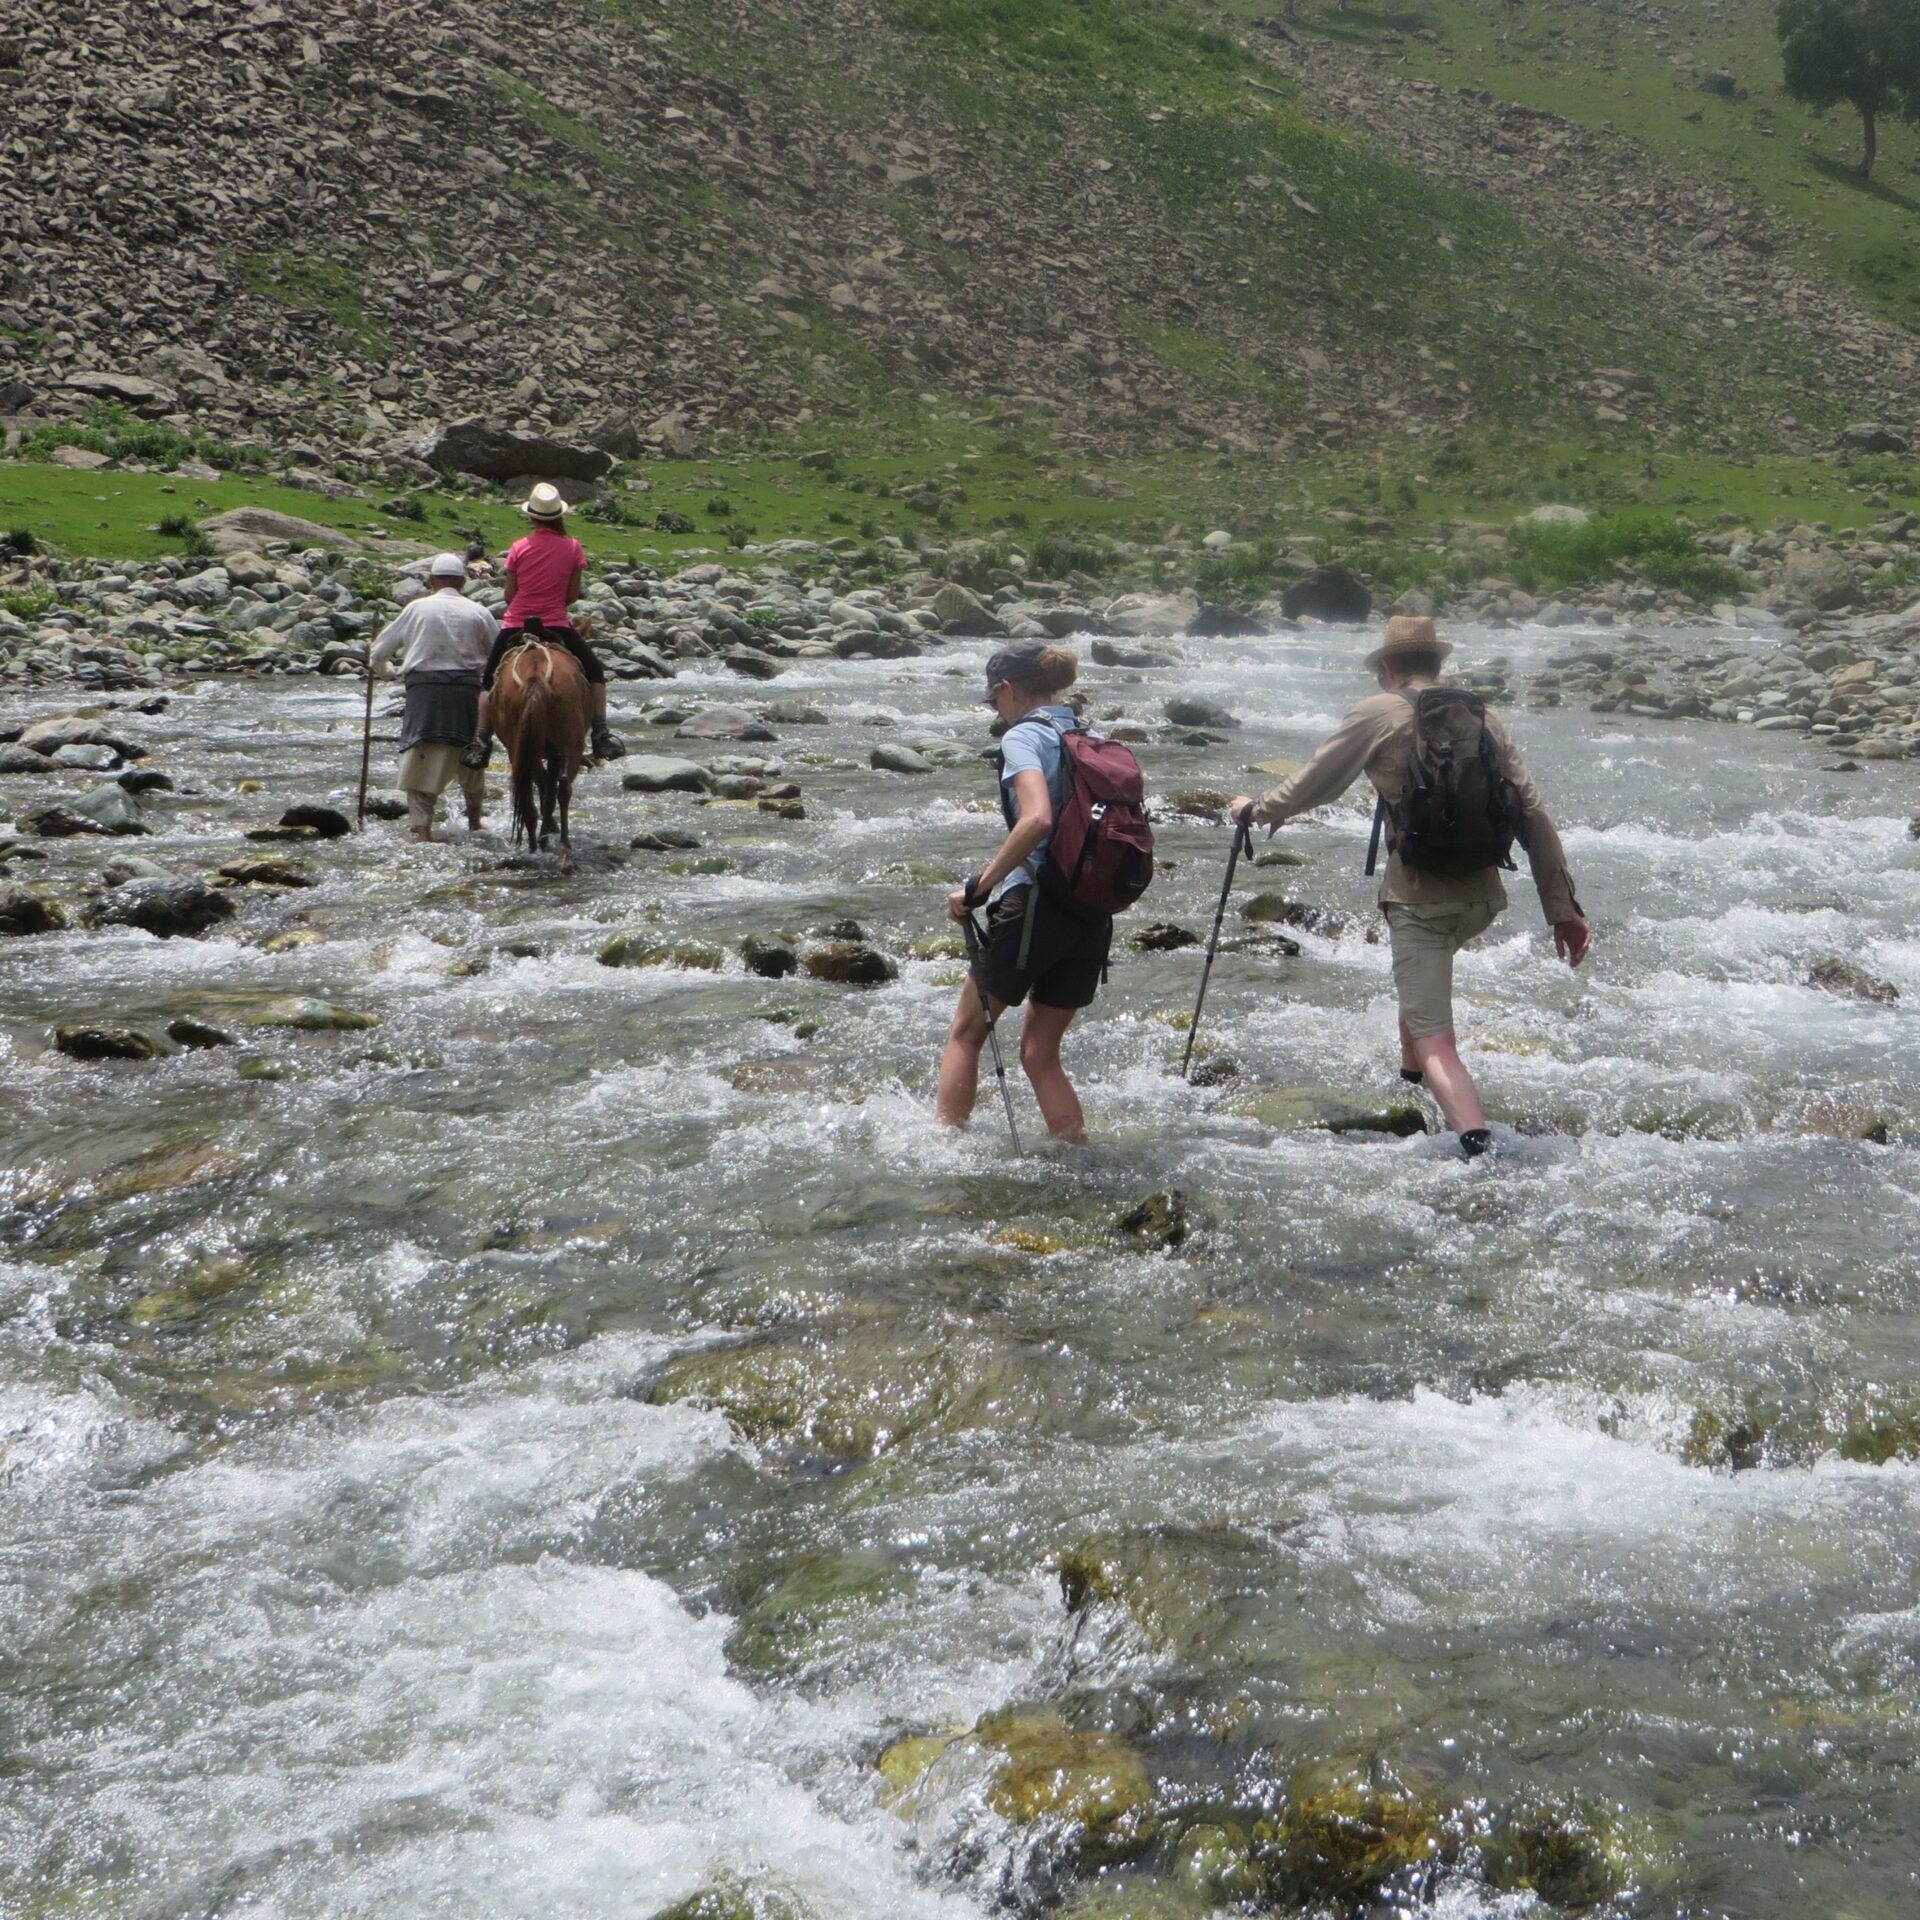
{"x": 366, "y": 746}
{"x": 974, "y": 959}
{"x": 1242, "y": 837}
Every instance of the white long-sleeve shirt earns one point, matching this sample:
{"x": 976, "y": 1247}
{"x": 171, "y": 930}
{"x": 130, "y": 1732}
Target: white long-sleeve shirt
{"x": 440, "y": 631}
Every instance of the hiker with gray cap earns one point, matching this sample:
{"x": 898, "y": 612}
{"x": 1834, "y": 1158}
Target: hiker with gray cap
{"x": 442, "y": 639}
{"x": 1454, "y": 795}
{"x": 1034, "y": 949}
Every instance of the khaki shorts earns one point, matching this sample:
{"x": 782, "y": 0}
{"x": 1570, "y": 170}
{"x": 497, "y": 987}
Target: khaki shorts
{"x": 1425, "y": 939}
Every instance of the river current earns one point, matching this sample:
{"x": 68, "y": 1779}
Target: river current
{"x": 354, "y": 1561}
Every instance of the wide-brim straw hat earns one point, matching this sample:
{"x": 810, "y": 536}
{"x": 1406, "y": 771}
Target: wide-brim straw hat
{"x": 1409, "y": 636}
{"x": 545, "y": 502}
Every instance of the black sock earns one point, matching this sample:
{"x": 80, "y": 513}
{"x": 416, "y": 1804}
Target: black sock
{"x": 1412, "y": 1076}
{"x": 1475, "y": 1141}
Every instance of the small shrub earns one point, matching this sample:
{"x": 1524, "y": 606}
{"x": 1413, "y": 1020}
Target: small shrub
{"x": 26, "y": 603}
{"x": 719, "y": 508}
{"x": 737, "y": 533}
{"x": 22, "y": 541}
{"x": 669, "y": 521}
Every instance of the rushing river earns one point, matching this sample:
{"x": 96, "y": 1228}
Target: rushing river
{"x": 364, "y": 1552}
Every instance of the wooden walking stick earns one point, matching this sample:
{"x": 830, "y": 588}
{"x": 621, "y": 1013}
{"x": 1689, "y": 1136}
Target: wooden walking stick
{"x": 366, "y": 745}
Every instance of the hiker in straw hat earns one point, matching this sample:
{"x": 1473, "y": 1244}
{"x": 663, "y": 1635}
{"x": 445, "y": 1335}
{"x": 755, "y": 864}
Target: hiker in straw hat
{"x": 543, "y": 574}
{"x": 1442, "y": 884}
{"x": 441, "y": 639}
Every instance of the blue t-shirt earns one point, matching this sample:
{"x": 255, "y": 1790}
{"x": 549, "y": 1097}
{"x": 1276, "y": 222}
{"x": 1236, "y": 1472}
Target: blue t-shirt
{"x": 1031, "y": 746}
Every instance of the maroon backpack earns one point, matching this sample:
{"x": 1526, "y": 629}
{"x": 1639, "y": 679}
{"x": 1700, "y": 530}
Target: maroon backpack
{"x": 1100, "y": 854}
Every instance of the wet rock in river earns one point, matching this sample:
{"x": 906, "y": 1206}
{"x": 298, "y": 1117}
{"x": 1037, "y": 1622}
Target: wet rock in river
{"x": 661, "y": 773}
{"x": 850, "y": 964}
{"x": 794, "y": 713}
{"x": 267, "y": 870}
{"x": 1158, "y": 1220}
{"x": 731, "y": 1898}
{"x": 196, "y": 1035}
{"x": 1844, "y": 1120}
{"x": 1187, "y": 710}
{"x": 1572, "y": 1853}
{"x": 307, "y": 1015}
{"x": 60, "y": 823}
{"x": 1346, "y": 1833}
{"x": 85, "y": 759}
{"x": 1093, "y": 1789}
{"x": 664, "y": 840}
{"x": 723, "y": 723}
{"x": 1295, "y": 1109}
{"x": 18, "y": 759}
{"x": 1831, "y": 974}
{"x": 809, "y": 1605}
{"x": 640, "y": 948}
{"x": 893, "y": 759}
{"x": 386, "y": 806}
{"x": 1131, "y": 653}
{"x": 772, "y": 958}
{"x": 328, "y": 822}
{"x": 23, "y": 911}
{"x": 1215, "y": 1860}
{"x": 1276, "y": 909}
{"x": 753, "y": 665}
{"x": 103, "y": 1043}
{"x": 77, "y": 730}
{"x": 169, "y": 907}
{"x": 1162, "y": 937}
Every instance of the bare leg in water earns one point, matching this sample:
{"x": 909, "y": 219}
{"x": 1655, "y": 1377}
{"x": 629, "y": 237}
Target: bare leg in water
{"x": 1040, "y": 1037}
{"x": 1438, "y": 1058}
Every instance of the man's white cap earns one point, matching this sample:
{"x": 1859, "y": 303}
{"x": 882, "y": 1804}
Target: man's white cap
{"x": 447, "y": 566}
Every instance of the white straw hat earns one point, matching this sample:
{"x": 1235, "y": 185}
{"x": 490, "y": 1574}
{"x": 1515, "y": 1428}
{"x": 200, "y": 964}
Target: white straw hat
{"x": 545, "y": 502}
{"x": 446, "y": 566}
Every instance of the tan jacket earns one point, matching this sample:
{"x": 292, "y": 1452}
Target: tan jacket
{"x": 1374, "y": 739}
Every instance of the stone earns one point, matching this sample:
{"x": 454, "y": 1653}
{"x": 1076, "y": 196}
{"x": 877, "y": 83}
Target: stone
{"x": 1215, "y": 622}
{"x": 768, "y": 956}
{"x": 304, "y": 1014}
{"x": 1831, "y": 974}
{"x": 19, "y": 759}
{"x": 754, "y": 666}
{"x": 1094, "y": 1786}
{"x": 79, "y": 459}
{"x": 328, "y": 822}
{"x": 77, "y": 730}
{"x": 130, "y": 390}
{"x": 497, "y": 453}
{"x": 659, "y": 773}
{"x": 23, "y": 911}
{"x": 1871, "y": 436}
{"x": 894, "y": 759}
{"x": 1343, "y": 1834}
{"x": 849, "y": 963}
{"x": 1553, "y": 515}
{"x": 961, "y": 611}
{"x": 1821, "y": 578}
{"x": 664, "y": 840}
{"x": 1135, "y": 616}
{"x": 267, "y": 870}
{"x": 243, "y": 529}
{"x": 103, "y": 1043}
{"x": 1188, "y": 710}
{"x": 1333, "y": 592}
{"x": 864, "y": 644}
{"x": 1123, "y": 653}
{"x": 58, "y": 823}
{"x": 1844, "y": 1120}
{"x": 1163, "y": 938}
{"x": 1158, "y": 1220}
{"x": 85, "y": 759}
{"x": 1298, "y": 1109}
{"x": 723, "y": 723}
{"x": 196, "y": 1035}
{"x": 168, "y": 908}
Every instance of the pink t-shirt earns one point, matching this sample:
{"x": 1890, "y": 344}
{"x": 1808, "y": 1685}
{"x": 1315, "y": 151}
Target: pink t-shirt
{"x": 543, "y": 564}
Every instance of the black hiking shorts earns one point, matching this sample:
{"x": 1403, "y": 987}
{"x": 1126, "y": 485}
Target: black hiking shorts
{"x": 510, "y": 637}
{"x": 1066, "y": 957}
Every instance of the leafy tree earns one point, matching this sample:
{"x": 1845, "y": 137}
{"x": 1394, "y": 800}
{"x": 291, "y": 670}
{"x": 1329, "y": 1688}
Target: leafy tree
{"x": 1863, "y": 52}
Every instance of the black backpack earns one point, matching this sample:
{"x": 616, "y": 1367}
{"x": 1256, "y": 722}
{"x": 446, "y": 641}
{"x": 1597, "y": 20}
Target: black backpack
{"x": 1460, "y": 814}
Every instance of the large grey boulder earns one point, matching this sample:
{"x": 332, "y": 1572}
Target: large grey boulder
{"x": 24, "y": 911}
{"x": 1821, "y": 578}
{"x": 1333, "y": 592}
{"x": 661, "y": 773}
{"x": 1870, "y": 436}
{"x": 1156, "y": 616}
{"x": 244, "y": 529}
{"x": 496, "y": 453}
{"x": 129, "y": 390}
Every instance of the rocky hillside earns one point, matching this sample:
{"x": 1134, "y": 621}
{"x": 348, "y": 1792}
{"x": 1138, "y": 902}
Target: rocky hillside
{"x": 325, "y": 226}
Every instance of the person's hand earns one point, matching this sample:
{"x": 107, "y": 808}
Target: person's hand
{"x": 1240, "y": 810}
{"x": 1571, "y": 939}
{"x": 957, "y": 904}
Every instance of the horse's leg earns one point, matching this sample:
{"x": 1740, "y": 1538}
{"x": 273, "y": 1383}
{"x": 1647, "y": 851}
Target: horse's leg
{"x": 566, "y": 838}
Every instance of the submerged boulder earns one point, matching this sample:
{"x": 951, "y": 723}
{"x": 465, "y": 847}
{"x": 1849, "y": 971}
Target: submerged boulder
{"x": 662, "y": 773}
{"x": 23, "y": 911}
{"x": 849, "y": 963}
{"x": 1572, "y": 1853}
{"x": 1093, "y": 1789}
{"x": 1831, "y": 974}
{"x": 1295, "y": 1109}
{"x": 1346, "y": 1834}
{"x": 168, "y": 908}
{"x": 308, "y": 1015}
{"x": 1158, "y": 1220}
{"x": 103, "y": 1043}
{"x": 1187, "y": 710}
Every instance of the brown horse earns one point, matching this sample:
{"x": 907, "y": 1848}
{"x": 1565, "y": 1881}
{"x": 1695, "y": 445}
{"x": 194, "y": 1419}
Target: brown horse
{"x": 540, "y": 709}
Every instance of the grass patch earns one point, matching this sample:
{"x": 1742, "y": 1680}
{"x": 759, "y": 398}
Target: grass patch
{"x": 26, "y": 603}
{"x": 111, "y": 430}
{"x": 1659, "y": 547}
{"x": 315, "y": 283}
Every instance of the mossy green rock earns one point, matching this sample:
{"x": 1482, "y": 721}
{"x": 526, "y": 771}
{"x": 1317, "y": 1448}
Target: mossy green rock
{"x": 731, "y": 1898}
{"x": 1174, "y": 1583}
{"x": 1571, "y": 1853}
{"x": 311, "y": 1016}
{"x": 1345, "y": 1832}
{"x": 640, "y": 948}
{"x": 1093, "y": 1784}
{"x": 1216, "y": 1861}
{"x": 1297, "y": 1109}
{"x": 1887, "y": 1433}
{"x": 809, "y": 1605}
